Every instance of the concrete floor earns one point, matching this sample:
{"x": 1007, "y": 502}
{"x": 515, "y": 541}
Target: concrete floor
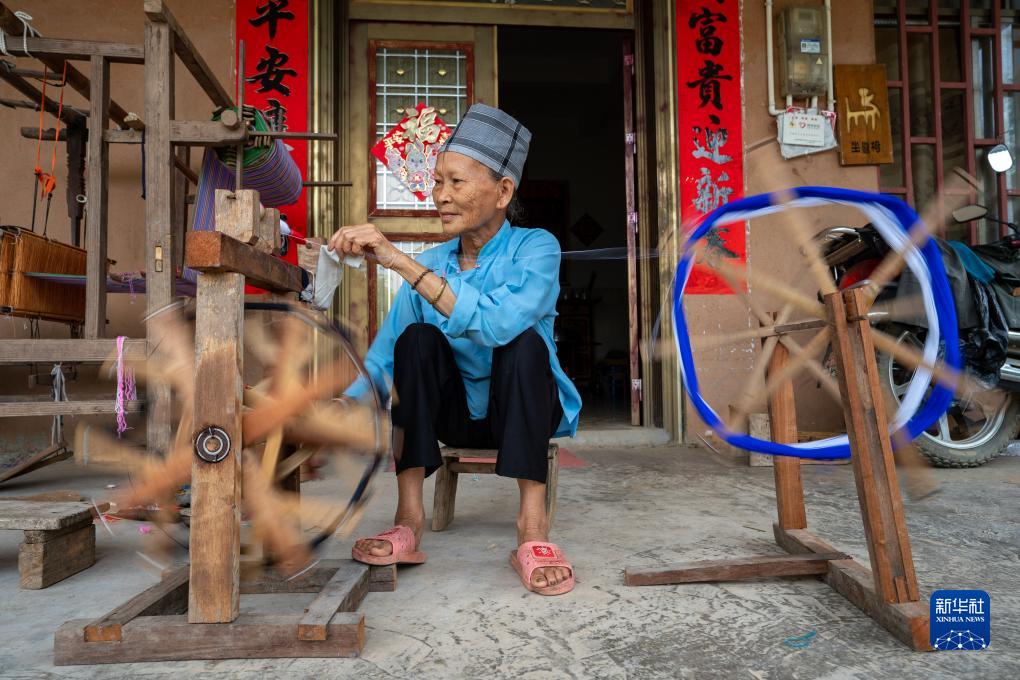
{"x": 465, "y": 614}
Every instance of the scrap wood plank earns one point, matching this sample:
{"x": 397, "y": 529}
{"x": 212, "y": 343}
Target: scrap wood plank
{"x": 343, "y": 593}
{"x": 907, "y": 621}
{"x": 169, "y": 596}
{"x": 733, "y": 569}
{"x": 36, "y": 516}
{"x": 53, "y": 496}
{"x": 46, "y": 557}
{"x": 52, "y": 454}
{"x": 172, "y": 638}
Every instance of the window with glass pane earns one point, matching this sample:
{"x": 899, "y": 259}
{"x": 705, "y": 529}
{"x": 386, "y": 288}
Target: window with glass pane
{"x": 954, "y": 87}
{"x": 388, "y": 282}
{"x": 402, "y": 76}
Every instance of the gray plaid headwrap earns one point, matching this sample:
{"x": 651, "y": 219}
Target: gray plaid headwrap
{"x": 495, "y": 139}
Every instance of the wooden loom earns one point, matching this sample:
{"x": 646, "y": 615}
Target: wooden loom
{"x": 888, "y": 592}
{"x": 167, "y": 174}
{"x": 161, "y": 622}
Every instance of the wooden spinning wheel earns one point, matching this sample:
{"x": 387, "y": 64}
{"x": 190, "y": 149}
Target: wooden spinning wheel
{"x": 936, "y": 364}
{"x": 297, "y": 365}
{"x": 258, "y": 391}
{"x": 841, "y": 318}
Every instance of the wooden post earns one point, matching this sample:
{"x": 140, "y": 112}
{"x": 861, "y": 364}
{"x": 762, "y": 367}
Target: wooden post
{"x": 215, "y": 540}
{"x": 783, "y": 421}
{"x": 95, "y": 225}
{"x": 178, "y": 200}
{"x": 159, "y": 271}
{"x": 632, "y": 229}
{"x": 892, "y": 565}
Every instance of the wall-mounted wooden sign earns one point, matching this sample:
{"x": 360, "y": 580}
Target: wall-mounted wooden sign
{"x": 862, "y": 104}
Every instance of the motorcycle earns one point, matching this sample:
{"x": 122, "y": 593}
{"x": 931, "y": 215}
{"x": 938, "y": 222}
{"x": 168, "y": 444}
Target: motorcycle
{"x": 980, "y": 424}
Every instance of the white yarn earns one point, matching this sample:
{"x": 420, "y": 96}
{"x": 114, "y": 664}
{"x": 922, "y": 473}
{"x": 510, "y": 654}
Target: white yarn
{"x": 888, "y": 227}
{"x": 26, "y": 32}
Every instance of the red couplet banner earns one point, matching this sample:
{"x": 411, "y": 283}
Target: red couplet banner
{"x": 275, "y": 35}
{"x": 711, "y": 137}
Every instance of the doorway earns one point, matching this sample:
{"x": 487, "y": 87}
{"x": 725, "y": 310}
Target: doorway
{"x": 567, "y": 87}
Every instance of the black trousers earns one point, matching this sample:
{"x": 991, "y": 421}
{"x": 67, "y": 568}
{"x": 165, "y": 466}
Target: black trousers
{"x": 431, "y": 403}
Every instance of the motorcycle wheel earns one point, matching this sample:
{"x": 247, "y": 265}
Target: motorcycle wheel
{"x": 970, "y": 433}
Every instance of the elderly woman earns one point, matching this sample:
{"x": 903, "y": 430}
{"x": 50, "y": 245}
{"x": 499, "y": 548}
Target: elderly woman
{"x": 468, "y": 345}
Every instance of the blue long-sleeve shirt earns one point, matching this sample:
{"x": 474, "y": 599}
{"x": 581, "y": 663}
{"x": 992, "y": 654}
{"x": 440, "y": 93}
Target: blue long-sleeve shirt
{"x": 514, "y": 287}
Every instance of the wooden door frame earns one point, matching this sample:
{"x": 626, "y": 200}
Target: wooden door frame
{"x": 656, "y": 167}
{"x": 373, "y": 45}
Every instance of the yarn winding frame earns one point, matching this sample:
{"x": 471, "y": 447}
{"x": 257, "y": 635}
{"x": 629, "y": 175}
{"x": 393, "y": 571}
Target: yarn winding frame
{"x": 903, "y": 231}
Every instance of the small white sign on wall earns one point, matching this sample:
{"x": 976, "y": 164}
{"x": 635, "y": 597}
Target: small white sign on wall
{"x": 803, "y": 129}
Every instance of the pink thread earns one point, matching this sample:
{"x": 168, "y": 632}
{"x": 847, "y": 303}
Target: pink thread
{"x": 125, "y": 387}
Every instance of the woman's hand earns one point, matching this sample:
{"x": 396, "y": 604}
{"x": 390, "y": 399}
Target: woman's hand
{"x": 365, "y": 239}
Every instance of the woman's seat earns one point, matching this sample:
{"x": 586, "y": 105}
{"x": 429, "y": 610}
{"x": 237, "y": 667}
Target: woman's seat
{"x": 481, "y": 462}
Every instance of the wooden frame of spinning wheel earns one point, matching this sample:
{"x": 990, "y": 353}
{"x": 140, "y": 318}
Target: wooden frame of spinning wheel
{"x": 159, "y": 623}
{"x": 888, "y": 592}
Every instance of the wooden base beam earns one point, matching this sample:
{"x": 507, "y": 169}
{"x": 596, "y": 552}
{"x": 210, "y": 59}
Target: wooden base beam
{"x": 907, "y": 621}
{"x": 733, "y": 570}
{"x": 153, "y": 625}
{"x": 172, "y": 638}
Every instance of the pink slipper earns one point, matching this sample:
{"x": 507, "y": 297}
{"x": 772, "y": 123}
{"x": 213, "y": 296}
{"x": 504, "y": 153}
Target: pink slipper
{"x": 402, "y": 540}
{"x": 537, "y": 555}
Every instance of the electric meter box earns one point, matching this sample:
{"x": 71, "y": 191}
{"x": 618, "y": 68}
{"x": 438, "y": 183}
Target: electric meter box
{"x": 803, "y": 52}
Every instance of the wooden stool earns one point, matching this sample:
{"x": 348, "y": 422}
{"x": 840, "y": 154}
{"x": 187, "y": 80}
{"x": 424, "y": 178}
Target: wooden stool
{"x": 446, "y": 480}
{"x": 60, "y": 539}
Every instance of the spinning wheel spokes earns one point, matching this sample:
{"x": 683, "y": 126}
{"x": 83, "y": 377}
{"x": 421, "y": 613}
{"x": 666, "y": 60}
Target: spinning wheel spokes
{"x": 953, "y": 195}
{"x": 749, "y": 286}
{"x": 299, "y": 365}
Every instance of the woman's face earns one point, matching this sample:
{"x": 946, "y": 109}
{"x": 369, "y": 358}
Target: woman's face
{"x": 467, "y": 196}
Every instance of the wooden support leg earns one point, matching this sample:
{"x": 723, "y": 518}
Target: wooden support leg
{"x": 445, "y": 497}
{"x": 159, "y": 271}
{"x": 878, "y": 490}
{"x": 783, "y": 418}
{"x": 50, "y": 556}
{"x": 214, "y": 595}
